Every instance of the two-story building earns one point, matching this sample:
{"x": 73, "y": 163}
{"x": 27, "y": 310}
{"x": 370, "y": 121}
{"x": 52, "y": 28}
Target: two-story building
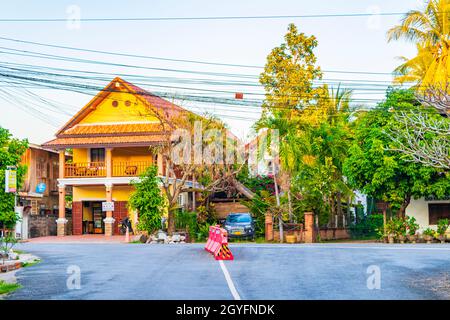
{"x": 111, "y": 138}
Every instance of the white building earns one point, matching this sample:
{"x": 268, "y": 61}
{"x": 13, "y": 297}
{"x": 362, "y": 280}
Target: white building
{"x": 428, "y": 211}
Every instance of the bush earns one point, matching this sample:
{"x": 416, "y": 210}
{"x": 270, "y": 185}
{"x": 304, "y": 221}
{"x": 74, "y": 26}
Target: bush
{"x": 148, "y": 200}
{"x": 429, "y": 232}
{"x": 189, "y": 221}
{"x": 442, "y": 226}
{"x": 367, "y": 228}
{"x": 411, "y": 225}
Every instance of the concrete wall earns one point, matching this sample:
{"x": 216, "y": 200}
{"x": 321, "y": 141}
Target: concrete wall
{"x": 325, "y": 234}
{"x": 419, "y": 210}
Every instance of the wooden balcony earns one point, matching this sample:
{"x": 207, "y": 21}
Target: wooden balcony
{"x": 85, "y": 170}
{"x": 129, "y": 168}
{"x": 99, "y": 169}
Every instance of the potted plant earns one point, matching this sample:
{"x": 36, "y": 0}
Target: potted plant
{"x": 400, "y": 229}
{"x": 412, "y": 227}
{"x": 391, "y": 231}
{"x": 428, "y": 235}
{"x": 442, "y": 227}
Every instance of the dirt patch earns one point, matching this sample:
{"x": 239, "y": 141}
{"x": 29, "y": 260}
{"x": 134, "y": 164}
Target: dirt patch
{"x": 438, "y": 285}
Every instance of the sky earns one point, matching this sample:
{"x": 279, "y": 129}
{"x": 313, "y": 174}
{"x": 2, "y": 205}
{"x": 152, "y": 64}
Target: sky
{"x": 345, "y": 44}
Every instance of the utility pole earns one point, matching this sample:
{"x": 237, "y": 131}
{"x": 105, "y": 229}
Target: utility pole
{"x": 277, "y": 196}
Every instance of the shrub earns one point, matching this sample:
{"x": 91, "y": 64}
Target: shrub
{"x": 367, "y": 227}
{"x": 429, "y": 232}
{"x": 442, "y": 226}
{"x": 148, "y": 200}
{"x": 187, "y": 221}
{"x": 411, "y": 225}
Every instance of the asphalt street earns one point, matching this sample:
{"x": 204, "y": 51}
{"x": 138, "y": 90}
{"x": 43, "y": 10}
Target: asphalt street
{"x": 259, "y": 271}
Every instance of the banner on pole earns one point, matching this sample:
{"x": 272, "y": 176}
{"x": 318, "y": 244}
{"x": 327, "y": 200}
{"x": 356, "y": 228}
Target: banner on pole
{"x": 10, "y": 180}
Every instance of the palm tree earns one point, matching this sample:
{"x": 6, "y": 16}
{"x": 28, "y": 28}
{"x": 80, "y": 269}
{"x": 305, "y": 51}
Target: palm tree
{"x": 430, "y": 30}
{"x": 414, "y": 70}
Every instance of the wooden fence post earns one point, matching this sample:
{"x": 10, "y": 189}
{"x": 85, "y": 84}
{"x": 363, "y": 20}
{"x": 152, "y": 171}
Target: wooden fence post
{"x": 310, "y": 230}
{"x": 269, "y": 227}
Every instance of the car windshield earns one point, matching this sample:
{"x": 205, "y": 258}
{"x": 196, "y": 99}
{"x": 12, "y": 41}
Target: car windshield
{"x": 238, "y": 218}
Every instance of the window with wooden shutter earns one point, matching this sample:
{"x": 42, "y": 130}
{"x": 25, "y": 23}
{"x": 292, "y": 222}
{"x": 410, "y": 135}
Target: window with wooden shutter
{"x": 438, "y": 211}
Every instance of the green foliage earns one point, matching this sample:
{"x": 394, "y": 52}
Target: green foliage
{"x": 442, "y": 226}
{"x": 11, "y": 151}
{"x": 367, "y": 227}
{"x": 203, "y": 232}
{"x": 31, "y": 263}
{"x": 397, "y": 227}
{"x": 8, "y": 219}
{"x": 187, "y": 221}
{"x": 384, "y": 174}
{"x": 411, "y": 225}
{"x": 7, "y": 242}
{"x": 259, "y": 206}
{"x": 8, "y": 287}
{"x": 148, "y": 200}
{"x": 429, "y": 232}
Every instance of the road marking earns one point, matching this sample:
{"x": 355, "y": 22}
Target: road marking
{"x": 276, "y": 246}
{"x": 230, "y": 283}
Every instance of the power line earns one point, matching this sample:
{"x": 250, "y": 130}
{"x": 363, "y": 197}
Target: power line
{"x": 265, "y": 17}
{"x": 172, "y": 59}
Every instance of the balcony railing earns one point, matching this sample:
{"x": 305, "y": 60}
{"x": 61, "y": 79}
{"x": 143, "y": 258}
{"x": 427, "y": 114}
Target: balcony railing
{"x": 98, "y": 169}
{"x": 85, "y": 169}
{"x": 129, "y": 168}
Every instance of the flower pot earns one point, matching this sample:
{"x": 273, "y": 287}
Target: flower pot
{"x": 401, "y": 238}
{"x": 427, "y": 238}
{"x": 291, "y": 239}
{"x": 412, "y": 238}
{"x": 442, "y": 238}
{"x": 391, "y": 239}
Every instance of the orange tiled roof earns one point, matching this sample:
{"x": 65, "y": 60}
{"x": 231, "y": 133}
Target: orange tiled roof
{"x": 107, "y": 129}
{"x": 116, "y": 140}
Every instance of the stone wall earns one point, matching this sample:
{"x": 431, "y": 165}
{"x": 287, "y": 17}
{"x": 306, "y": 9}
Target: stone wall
{"x": 42, "y": 226}
{"x": 334, "y": 234}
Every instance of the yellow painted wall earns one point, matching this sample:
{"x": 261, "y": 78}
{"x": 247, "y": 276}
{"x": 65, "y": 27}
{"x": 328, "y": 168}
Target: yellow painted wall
{"x": 87, "y": 213}
{"x": 118, "y": 154}
{"x": 106, "y": 112}
{"x": 88, "y": 193}
{"x": 132, "y": 154}
{"x": 80, "y": 155}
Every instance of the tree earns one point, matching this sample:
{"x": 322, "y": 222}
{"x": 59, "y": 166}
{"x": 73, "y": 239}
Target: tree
{"x": 312, "y": 124}
{"x": 378, "y": 171}
{"x": 198, "y": 154}
{"x": 289, "y": 74}
{"x": 430, "y": 31}
{"x": 148, "y": 200}
{"x": 423, "y": 136}
{"x": 11, "y": 151}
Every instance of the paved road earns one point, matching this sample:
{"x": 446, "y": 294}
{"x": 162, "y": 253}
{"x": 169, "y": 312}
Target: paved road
{"x": 322, "y": 271}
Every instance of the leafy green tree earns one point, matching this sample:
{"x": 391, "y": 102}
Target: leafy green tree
{"x": 11, "y": 151}
{"x": 148, "y": 200}
{"x": 380, "y": 172}
{"x": 312, "y": 123}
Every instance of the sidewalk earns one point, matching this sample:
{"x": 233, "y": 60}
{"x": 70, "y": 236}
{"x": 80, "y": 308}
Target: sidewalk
{"x": 87, "y": 238}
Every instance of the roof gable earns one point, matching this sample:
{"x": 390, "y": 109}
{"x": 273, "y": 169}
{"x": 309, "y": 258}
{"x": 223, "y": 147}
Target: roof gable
{"x": 120, "y": 101}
